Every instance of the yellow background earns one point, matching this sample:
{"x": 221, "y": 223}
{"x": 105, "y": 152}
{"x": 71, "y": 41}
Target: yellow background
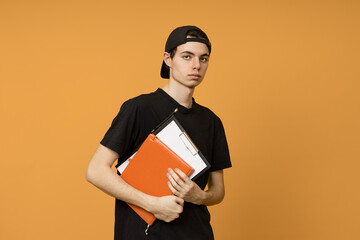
{"x": 283, "y": 77}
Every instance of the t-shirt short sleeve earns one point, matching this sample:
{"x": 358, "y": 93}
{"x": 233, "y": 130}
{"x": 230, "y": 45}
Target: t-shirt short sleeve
{"x": 123, "y": 130}
{"x": 221, "y": 156}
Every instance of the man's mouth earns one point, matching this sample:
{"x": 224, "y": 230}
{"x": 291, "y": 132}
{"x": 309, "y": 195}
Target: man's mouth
{"x": 195, "y": 76}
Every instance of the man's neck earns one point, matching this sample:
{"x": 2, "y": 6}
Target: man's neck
{"x": 182, "y": 94}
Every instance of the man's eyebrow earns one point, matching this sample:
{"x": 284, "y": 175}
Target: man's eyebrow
{"x": 187, "y": 52}
{"x": 191, "y": 53}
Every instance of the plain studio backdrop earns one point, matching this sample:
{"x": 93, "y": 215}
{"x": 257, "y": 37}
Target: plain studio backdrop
{"x": 283, "y": 77}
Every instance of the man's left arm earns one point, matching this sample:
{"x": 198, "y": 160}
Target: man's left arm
{"x": 182, "y": 186}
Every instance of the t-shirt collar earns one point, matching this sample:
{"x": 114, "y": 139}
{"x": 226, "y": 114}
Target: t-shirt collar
{"x": 171, "y": 100}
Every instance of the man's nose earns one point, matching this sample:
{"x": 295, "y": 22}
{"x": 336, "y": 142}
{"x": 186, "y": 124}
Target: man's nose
{"x": 196, "y": 63}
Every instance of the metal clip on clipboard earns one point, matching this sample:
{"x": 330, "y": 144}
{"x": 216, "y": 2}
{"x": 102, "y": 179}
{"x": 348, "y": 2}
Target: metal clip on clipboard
{"x": 188, "y": 143}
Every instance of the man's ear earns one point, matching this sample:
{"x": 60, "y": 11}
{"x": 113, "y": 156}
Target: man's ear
{"x": 167, "y": 59}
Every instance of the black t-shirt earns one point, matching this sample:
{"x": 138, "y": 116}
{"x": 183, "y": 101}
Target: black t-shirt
{"x": 135, "y": 120}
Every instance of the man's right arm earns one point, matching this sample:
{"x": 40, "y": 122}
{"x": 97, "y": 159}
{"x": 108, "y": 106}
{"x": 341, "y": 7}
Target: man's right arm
{"x": 100, "y": 174}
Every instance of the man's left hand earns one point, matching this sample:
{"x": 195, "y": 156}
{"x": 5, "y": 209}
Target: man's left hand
{"x": 182, "y": 186}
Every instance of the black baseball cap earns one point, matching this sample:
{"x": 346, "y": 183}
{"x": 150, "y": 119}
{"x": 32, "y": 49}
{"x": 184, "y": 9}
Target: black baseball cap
{"x": 178, "y": 37}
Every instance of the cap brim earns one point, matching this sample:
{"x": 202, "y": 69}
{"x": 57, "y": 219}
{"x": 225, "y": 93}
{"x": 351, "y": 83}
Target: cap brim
{"x": 164, "y": 71}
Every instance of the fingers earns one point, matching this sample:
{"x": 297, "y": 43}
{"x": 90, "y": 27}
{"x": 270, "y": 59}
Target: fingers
{"x": 179, "y": 176}
{"x": 184, "y": 177}
{"x": 180, "y": 201}
{"x": 180, "y": 184}
{"x": 175, "y": 180}
{"x": 173, "y": 190}
{"x": 168, "y": 208}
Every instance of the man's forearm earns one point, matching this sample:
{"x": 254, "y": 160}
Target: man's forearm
{"x": 216, "y": 191}
{"x": 165, "y": 208}
{"x": 104, "y": 178}
{"x": 212, "y": 196}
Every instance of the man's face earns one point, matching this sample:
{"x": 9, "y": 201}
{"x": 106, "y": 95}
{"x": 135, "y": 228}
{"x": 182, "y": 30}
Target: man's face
{"x": 189, "y": 64}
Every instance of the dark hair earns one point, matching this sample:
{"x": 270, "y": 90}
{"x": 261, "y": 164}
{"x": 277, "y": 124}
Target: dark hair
{"x": 193, "y": 33}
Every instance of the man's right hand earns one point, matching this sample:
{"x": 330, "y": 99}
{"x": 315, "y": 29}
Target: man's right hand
{"x": 167, "y": 208}
{"x": 100, "y": 174}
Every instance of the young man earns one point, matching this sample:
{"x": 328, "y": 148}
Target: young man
{"x": 183, "y": 215}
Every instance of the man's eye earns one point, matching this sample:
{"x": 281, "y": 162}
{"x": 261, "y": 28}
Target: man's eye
{"x": 186, "y": 57}
{"x": 203, "y": 59}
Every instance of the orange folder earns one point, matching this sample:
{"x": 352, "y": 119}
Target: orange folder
{"x": 147, "y": 170}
